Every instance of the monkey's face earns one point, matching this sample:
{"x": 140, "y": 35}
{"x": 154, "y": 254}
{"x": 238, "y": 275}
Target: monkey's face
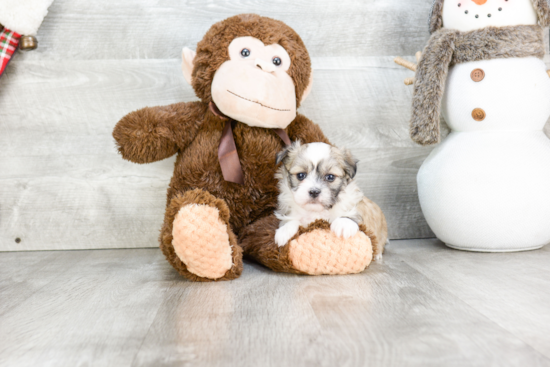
{"x": 253, "y": 86}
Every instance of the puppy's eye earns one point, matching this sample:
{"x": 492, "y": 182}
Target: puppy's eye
{"x": 329, "y": 178}
{"x": 301, "y": 176}
{"x": 245, "y": 52}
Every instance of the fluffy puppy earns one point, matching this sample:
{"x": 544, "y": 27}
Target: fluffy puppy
{"x": 316, "y": 181}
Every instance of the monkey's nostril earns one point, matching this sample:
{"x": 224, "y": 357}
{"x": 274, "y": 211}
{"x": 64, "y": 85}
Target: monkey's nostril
{"x": 259, "y": 66}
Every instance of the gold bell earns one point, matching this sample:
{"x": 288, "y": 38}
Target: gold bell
{"x": 28, "y": 43}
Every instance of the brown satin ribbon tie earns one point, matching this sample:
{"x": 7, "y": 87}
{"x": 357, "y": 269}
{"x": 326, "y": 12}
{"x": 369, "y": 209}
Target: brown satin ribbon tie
{"x": 283, "y": 135}
{"x": 228, "y": 156}
{"x": 227, "y": 150}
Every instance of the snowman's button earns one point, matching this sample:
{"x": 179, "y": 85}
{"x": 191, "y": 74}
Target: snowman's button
{"x": 478, "y": 114}
{"x": 477, "y": 75}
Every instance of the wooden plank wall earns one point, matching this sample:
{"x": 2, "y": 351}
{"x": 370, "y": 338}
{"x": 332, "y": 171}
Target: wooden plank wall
{"x": 62, "y": 183}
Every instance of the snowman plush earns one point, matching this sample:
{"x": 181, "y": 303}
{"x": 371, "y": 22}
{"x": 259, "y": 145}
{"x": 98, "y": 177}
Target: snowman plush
{"x": 486, "y": 187}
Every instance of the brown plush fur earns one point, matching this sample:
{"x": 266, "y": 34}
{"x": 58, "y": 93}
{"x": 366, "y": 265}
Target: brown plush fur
{"x": 193, "y": 132}
{"x": 258, "y": 243}
{"x": 447, "y": 47}
{"x": 542, "y": 7}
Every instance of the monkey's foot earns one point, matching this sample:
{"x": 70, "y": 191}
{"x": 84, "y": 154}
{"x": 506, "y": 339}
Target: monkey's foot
{"x": 314, "y": 250}
{"x": 197, "y": 239}
{"x": 319, "y": 251}
{"x": 201, "y": 241}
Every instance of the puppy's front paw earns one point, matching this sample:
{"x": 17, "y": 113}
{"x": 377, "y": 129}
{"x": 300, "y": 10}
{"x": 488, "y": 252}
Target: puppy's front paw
{"x": 286, "y": 232}
{"x": 344, "y": 227}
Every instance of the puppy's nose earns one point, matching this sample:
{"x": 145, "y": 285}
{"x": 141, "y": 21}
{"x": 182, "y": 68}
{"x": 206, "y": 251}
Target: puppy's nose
{"x": 314, "y": 193}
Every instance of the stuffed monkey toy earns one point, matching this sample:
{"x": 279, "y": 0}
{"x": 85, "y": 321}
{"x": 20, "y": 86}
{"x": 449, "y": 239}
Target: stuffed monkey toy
{"x": 250, "y": 73}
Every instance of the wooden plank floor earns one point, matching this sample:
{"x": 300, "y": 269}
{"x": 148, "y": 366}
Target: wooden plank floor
{"x": 423, "y": 305}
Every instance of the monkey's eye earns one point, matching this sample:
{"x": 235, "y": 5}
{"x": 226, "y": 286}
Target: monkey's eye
{"x": 277, "y": 61}
{"x": 245, "y": 52}
{"x": 301, "y": 176}
{"x": 329, "y": 178}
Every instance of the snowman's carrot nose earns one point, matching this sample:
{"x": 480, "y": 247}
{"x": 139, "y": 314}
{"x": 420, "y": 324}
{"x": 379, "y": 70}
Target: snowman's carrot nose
{"x": 479, "y": 2}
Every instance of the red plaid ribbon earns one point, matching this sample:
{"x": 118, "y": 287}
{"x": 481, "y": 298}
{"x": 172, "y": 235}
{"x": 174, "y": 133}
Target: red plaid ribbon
{"x": 9, "y": 41}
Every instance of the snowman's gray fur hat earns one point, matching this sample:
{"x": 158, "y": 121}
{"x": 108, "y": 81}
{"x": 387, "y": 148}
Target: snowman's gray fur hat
{"x": 436, "y": 16}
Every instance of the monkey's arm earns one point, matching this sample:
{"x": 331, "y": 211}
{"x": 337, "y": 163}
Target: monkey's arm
{"x": 155, "y": 133}
{"x": 306, "y": 131}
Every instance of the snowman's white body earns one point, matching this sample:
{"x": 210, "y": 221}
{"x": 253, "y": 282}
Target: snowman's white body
{"x": 486, "y": 187}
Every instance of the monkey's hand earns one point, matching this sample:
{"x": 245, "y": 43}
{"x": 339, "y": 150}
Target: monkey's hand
{"x": 155, "y": 133}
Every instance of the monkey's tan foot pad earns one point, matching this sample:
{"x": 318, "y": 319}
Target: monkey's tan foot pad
{"x": 320, "y": 251}
{"x": 201, "y": 241}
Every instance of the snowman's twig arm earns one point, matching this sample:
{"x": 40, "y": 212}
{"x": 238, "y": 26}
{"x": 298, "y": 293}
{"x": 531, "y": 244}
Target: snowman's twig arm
{"x": 406, "y": 64}
{"x": 409, "y": 65}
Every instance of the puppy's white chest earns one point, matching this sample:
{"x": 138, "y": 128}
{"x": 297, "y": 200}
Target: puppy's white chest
{"x": 310, "y": 217}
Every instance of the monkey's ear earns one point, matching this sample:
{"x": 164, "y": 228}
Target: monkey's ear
{"x": 187, "y": 56}
{"x": 308, "y": 88}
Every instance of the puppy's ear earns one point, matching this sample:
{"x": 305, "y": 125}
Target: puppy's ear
{"x": 350, "y": 164}
{"x": 282, "y": 155}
